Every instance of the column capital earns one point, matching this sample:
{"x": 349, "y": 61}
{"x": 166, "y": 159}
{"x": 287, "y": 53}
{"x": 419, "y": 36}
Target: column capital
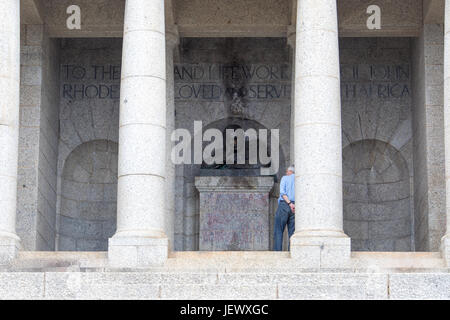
{"x": 172, "y": 36}
{"x": 291, "y": 35}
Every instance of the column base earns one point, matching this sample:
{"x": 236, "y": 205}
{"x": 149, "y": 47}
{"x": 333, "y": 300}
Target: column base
{"x": 137, "y": 251}
{"x": 9, "y": 248}
{"x": 445, "y": 249}
{"x": 321, "y": 249}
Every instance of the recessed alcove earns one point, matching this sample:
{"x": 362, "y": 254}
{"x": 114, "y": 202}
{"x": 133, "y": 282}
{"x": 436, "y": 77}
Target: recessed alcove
{"x": 88, "y": 197}
{"x": 377, "y": 199}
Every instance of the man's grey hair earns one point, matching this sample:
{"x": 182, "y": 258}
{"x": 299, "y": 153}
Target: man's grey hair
{"x": 292, "y": 168}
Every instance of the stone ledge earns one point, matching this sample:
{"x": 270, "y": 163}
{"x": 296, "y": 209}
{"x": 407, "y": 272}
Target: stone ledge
{"x": 182, "y": 285}
{"x": 242, "y": 261}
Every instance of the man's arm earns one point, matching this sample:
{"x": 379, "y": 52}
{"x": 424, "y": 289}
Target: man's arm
{"x": 291, "y": 205}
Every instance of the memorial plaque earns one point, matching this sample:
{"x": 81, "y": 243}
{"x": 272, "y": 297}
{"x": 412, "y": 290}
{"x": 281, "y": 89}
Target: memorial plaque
{"x": 234, "y": 213}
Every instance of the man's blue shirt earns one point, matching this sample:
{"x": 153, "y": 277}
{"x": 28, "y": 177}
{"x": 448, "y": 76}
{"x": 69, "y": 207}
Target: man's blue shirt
{"x": 287, "y": 187}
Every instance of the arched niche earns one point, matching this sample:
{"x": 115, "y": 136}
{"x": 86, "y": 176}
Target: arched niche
{"x": 88, "y": 197}
{"x": 377, "y": 197}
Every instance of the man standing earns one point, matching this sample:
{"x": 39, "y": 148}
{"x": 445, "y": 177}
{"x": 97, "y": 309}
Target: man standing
{"x": 285, "y": 214}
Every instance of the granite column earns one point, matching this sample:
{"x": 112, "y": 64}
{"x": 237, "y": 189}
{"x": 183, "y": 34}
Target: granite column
{"x": 140, "y": 239}
{"x": 445, "y": 244}
{"x": 319, "y": 239}
{"x": 9, "y": 125}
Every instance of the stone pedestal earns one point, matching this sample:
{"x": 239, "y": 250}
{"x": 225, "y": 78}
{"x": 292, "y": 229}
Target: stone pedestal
{"x": 234, "y": 213}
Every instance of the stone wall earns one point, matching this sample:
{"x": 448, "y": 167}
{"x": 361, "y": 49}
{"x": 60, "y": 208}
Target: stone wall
{"x": 89, "y": 197}
{"x": 377, "y": 143}
{"x": 48, "y": 144}
{"x": 376, "y": 119}
{"x": 87, "y": 160}
{"x": 429, "y": 172}
{"x": 377, "y": 198}
{"x": 30, "y": 102}
{"x": 38, "y": 148}
{"x": 233, "y": 18}
{"x": 258, "y": 70}
{"x": 223, "y": 286}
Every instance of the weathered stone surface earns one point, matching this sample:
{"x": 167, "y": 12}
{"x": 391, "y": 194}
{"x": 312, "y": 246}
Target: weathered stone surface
{"x": 87, "y": 159}
{"x": 428, "y": 127}
{"x": 218, "y": 292}
{"x": 393, "y": 153}
{"x": 405, "y": 19}
{"x": 234, "y": 213}
{"x": 353, "y": 52}
{"x": 376, "y": 129}
{"x": 336, "y": 286}
{"x": 252, "y": 285}
{"x": 88, "y": 200}
{"x": 376, "y": 197}
{"x": 9, "y": 126}
{"x": 21, "y": 285}
{"x": 419, "y": 286}
{"x": 269, "y": 111}
{"x": 100, "y": 286}
{"x": 251, "y": 18}
{"x": 224, "y": 275}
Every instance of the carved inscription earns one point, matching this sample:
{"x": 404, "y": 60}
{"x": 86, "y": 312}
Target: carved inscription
{"x": 375, "y": 81}
{"x": 216, "y": 82}
{"x": 93, "y": 82}
{"x": 219, "y": 82}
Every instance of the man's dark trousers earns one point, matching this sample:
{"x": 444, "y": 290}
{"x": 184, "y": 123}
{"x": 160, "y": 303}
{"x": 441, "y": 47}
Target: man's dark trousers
{"x": 284, "y": 216}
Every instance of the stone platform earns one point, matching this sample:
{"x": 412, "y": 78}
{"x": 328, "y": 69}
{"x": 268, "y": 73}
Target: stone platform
{"x": 230, "y": 275}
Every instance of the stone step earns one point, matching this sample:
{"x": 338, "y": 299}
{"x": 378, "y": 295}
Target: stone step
{"x": 58, "y": 261}
{"x": 231, "y": 262}
{"x": 182, "y": 285}
{"x": 398, "y": 260}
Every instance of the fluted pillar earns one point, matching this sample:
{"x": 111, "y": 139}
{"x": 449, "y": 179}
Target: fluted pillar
{"x": 140, "y": 239}
{"x": 319, "y": 240}
{"x": 445, "y": 246}
{"x": 9, "y": 125}
{"x": 172, "y": 41}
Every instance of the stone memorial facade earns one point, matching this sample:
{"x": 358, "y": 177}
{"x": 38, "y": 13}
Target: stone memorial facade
{"x": 94, "y": 109}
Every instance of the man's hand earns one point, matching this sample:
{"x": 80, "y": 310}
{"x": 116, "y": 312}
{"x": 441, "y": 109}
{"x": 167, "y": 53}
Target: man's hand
{"x": 292, "y": 206}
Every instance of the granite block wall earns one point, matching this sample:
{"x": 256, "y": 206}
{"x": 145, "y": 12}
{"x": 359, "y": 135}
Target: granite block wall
{"x": 89, "y": 197}
{"x": 377, "y": 143}
{"x": 38, "y": 148}
{"x": 429, "y": 170}
{"x": 48, "y": 146}
{"x": 381, "y": 77}
{"x": 30, "y": 102}
{"x": 207, "y": 75}
{"x": 89, "y": 127}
